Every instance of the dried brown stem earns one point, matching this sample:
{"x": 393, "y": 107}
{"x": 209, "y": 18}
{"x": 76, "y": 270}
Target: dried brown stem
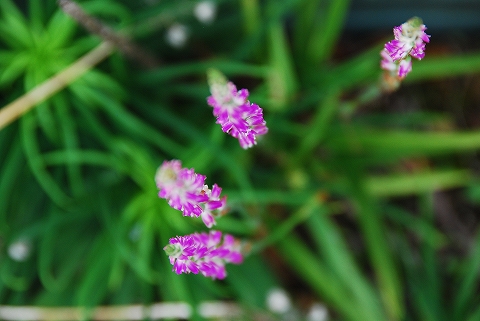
{"x": 95, "y": 26}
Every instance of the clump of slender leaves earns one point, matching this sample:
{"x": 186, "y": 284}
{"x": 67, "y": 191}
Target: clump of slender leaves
{"x": 320, "y": 191}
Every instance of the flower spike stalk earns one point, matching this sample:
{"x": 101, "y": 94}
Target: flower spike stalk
{"x": 234, "y": 112}
{"x": 410, "y": 41}
{"x": 203, "y": 253}
{"x": 186, "y": 191}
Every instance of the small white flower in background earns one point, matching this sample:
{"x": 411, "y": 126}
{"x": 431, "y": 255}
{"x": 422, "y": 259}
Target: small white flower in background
{"x": 278, "y": 301}
{"x": 205, "y": 11}
{"x": 19, "y": 250}
{"x": 177, "y": 35}
{"x": 318, "y": 312}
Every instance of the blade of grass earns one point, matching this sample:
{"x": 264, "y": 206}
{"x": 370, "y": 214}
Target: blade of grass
{"x": 287, "y": 225}
{"x": 282, "y": 81}
{"x": 251, "y": 16}
{"x": 307, "y": 12}
{"x": 43, "y": 112}
{"x": 467, "y": 289}
{"x": 81, "y": 156}
{"x": 229, "y": 68}
{"x": 36, "y": 15}
{"x": 14, "y": 28}
{"x": 11, "y": 169}
{"x": 60, "y": 249}
{"x": 404, "y": 143}
{"x": 93, "y": 287}
{"x": 372, "y": 228}
{"x": 432, "y": 278}
{"x": 32, "y": 154}
{"x": 441, "y": 67}
{"x": 324, "y": 37}
{"x": 317, "y": 129}
{"x": 71, "y": 143}
{"x": 319, "y": 277}
{"x": 338, "y": 256}
{"x": 475, "y": 315}
{"x": 417, "y": 225}
{"x": 132, "y": 124}
{"x": 403, "y": 184}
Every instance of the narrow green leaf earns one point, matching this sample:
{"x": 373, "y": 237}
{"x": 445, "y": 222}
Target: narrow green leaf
{"x": 71, "y": 142}
{"x": 10, "y": 170}
{"x": 318, "y": 276}
{"x": 371, "y": 224}
{"x": 60, "y": 30}
{"x": 338, "y": 256}
{"x": 285, "y": 228}
{"x": 403, "y": 184}
{"x": 447, "y": 66}
{"x": 251, "y": 16}
{"x": 324, "y": 37}
{"x": 14, "y": 28}
{"x": 469, "y": 276}
{"x": 282, "y": 81}
{"x": 94, "y": 285}
{"x": 404, "y": 143}
{"x": 307, "y": 13}
{"x": 32, "y": 153}
{"x": 318, "y": 127}
{"x": 14, "y": 67}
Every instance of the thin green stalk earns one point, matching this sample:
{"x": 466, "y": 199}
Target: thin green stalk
{"x": 287, "y": 226}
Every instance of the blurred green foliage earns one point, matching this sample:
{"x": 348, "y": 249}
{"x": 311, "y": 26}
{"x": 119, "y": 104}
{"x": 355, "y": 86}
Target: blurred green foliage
{"x": 77, "y": 172}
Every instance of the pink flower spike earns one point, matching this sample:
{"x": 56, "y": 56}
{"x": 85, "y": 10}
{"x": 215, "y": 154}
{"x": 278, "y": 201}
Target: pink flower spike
{"x": 235, "y": 114}
{"x": 410, "y": 39}
{"x": 203, "y": 253}
{"x": 186, "y": 191}
{"x": 214, "y": 207}
{"x": 404, "y": 67}
{"x": 387, "y": 62}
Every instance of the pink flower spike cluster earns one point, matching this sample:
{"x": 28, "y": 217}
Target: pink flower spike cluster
{"x": 234, "y": 112}
{"x": 186, "y": 191}
{"x": 410, "y": 40}
{"x": 203, "y": 253}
